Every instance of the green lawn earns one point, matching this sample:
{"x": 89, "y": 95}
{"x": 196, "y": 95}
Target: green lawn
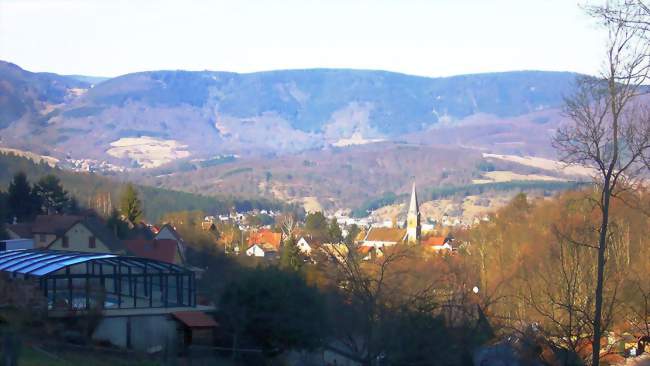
{"x": 32, "y": 357}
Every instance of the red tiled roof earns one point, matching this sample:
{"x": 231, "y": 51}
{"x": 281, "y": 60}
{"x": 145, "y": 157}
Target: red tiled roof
{"x": 364, "y": 249}
{"x": 157, "y": 249}
{"x": 434, "y": 241}
{"x": 265, "y": 236}
{"x": 195, "y": 319}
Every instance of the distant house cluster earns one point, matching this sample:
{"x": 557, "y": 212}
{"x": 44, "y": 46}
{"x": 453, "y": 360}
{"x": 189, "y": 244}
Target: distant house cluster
{"x": 382, "y": 236}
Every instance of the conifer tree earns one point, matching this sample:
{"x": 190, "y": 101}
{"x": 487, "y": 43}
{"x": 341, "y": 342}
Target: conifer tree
{"x": 22, "y": 202}
{"x": 51, "y": 195}
{"x": 130, "y": 204}
{"x": 291, "y": 258}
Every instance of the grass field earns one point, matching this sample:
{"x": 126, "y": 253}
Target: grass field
{"x": 34, "y": 356}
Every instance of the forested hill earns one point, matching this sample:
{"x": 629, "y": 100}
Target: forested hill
{"x": 204, "y": 113}
{"x": 90, "y": 190}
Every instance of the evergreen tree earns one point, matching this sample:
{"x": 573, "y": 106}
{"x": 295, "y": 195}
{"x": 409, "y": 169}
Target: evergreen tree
{"x": 353, "y": 231}
{"x": 334, "y": 232}
{"x": 118, "y": 227}
{"x": 291, "y": 258}
{"x": 22, "y": 202}
{"x": 130, "y": 204}
{"x": 51, "y": 195}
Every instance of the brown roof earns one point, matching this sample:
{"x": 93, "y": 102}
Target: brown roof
{"x": 195, "y": 319}
{"x": 54, "y": 224}
{"x": 157, "y": 249}
{"x": 386, "y": 234}
{"x": 23, "y": 230}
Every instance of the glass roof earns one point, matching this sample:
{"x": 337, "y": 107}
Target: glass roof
{"x": 37, "y": 262}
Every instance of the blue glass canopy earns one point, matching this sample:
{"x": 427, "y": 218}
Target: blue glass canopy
{"x": 38, "y": 263}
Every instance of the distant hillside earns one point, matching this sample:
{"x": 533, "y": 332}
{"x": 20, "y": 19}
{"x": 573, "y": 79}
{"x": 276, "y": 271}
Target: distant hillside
{"x": 152, "y": 118}
{"x": 87, "y": 188}
{"x": 88, "y": 79}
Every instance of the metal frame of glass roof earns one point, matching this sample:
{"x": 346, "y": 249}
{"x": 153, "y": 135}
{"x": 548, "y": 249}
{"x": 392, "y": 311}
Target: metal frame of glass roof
{"x": 40, "y": 262}
{"x": 70, "y": 280}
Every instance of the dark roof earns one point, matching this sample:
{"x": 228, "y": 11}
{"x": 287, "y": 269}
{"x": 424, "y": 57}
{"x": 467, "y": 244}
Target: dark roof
{"x": 140, "y": 231}
{"x": 195, "y": 319}
{"x": 40, "y": 262}
{"x": 54, "y": 224}
{"x": 163, "y": 250}
{"x": 23, "y": 230}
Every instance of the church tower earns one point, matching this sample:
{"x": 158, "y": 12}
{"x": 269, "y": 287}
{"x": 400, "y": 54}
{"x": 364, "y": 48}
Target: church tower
{"x": 413, "y": 219}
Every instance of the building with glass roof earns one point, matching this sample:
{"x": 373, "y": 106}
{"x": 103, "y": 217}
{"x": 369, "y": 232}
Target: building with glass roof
{"x": 78, "y": 281}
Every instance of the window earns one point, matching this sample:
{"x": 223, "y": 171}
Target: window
{"x": 65, "y": 242}
{"x": 91, "y": 242}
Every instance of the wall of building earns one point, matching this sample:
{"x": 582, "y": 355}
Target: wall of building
{"x": 42, "y": 240}
{"x": 78, "y": 240}
{"x": 147, "y": 331}
{"x": 165, "y": 233}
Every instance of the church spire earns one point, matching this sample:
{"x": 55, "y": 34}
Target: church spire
{"x": 413, "y": 229}
{"x": 413, "y": 207}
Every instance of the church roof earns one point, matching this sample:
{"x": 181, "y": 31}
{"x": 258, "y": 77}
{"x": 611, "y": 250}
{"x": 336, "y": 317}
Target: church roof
{"x": 414, "y": 208}
{"x": 386, "y": 234}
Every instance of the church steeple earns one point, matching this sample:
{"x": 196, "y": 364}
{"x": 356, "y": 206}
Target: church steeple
{"x": 413, "y": 218}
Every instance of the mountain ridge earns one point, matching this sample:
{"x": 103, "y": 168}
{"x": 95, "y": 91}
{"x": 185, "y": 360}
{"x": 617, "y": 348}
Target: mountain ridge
{"x": 200, "y": 114}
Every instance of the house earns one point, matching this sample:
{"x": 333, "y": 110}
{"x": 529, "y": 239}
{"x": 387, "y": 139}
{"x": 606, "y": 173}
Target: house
{"x": 438, "y": 243}
{"x": 336, "y": 252}
{"x": 262, "y": 251}
{"x": 379, "y": 237}
{"x": 169, "y": 232}
{"x": 265, "y": 236}
{"x": 304, "y": 246}
{"x": 368, "y": 253}
{"x": 68, "y": 232}
{"x": 163, "y": 250}
{"x": 88, "y": 235}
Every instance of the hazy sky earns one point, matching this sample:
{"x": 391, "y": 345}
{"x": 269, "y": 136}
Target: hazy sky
{"x": 432, "y": 38}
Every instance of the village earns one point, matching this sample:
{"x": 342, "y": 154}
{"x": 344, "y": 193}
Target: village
{"x": 141, "y": 287}
{"x": 138, "y": 277}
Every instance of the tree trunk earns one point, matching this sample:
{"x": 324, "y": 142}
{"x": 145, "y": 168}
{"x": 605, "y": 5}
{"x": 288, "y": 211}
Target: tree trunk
{"x": 602, "y": 246}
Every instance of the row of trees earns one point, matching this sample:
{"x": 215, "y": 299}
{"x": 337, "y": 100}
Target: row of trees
{"x": 24, "y": 201}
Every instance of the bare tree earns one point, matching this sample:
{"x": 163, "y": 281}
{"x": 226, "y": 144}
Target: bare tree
{"x": 366, "y": 285}
{"x": 611, "y": 130}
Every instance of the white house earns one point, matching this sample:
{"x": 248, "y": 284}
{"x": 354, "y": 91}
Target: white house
{"x": 304, "y": 246}
{"x": 262, "y": 251}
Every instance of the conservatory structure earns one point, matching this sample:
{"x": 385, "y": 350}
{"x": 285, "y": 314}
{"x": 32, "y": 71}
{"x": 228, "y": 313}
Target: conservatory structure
{"x": 80, "y": 281}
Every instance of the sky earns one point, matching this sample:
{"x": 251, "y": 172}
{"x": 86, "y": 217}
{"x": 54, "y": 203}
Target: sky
{"x": 428, "y": 38}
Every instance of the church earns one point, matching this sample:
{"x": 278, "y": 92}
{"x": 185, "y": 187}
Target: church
{"x": 379, "y": 237}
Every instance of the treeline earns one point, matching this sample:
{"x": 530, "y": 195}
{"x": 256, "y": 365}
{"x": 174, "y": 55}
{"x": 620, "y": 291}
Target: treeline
{"x": 95, "y": 191}
{"x": 537, "y": 261}
{"x": 437, "y": 193}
